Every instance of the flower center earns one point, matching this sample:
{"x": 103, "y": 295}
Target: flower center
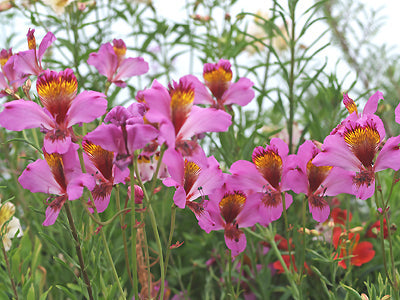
{"x": 363, "y": 142}
{"x": 364, "y": 177}
{"x": 269, "y": 164}
{"x": 316, "y": 175}
{"x": 102, "y": 159}
{"x": 217, "y": 77}
{"x": 56, "y": 164}
{"x": 56, "y": 92}
{"x": 192, "y": 171}
{"x": 231, "y": 205}
{"x": 182, "y": 97}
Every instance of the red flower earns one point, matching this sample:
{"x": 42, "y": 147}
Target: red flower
{"x": 348, "y": 245}
{"x": 278, "y": 266}
{"x": 375, "y": 228}
{"x": 339, "y": 216}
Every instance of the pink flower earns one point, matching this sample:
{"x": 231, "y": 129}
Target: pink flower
{"x": 218, "y": 79}
{"x": 30, "y": 61}
{"x": 62, "y": 109}
{"x": 59, "y": 175}
{"x": 110, "y": 61}
{"x": 9, "y": 78}
{"x": 179, "y": 120}
{"x": 196, "y": 179}
{"x": 99, "y": 164}
{"x": 125, "y": 133}
{"x": 230, "y": 210}
{"x": 266, "y": 177}
{"x": 316, "y": 182}
{"x": 357, "y": 150}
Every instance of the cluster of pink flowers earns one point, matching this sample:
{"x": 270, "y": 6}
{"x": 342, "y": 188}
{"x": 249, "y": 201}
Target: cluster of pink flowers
{"x": 253, "y": 192}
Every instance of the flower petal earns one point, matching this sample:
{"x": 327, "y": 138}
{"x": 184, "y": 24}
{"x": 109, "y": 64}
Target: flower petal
{"x": 201, "y": 94}
{"x": 139, "y": 135}
{"x": 372, "y": 103}
{"x": 48, "y": 39}
{"x": 86, "y": 107}
{"x": 21, "y": 114}
{"x": 389, "y": 156}
{"x": 105, "y": 60}
{"x": 240, "y": 92}
{"x": 131, "y": 66}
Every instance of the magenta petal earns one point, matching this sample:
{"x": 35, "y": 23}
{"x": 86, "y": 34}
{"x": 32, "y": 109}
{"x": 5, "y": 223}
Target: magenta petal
{"x": 180, "y": 197}
{"x": 389, "y": 156}
{"x": 205, "y": 221}
{"x": 335, "y": 152}
{"x": 320, "y": 213}
{"x": 139, "y": 135}
{"x": 240, "y": 93}
{"x": 105, "y": 60}
{"x": 249, "y": 214}
{"x": 3, "y": 82}
{"x": 25, "y": 63}
{"x": 273, "y": 213}
{"x": 51, "y": 215}
{"x": 131, "y": 66}
{"x": 158, "y": 100}
{"x": 120, "y": 175}
{"x": 101, "y": 203}
{"x": 296, "y": 181}
{"x": 48, "y": 39}
{"x": 338, "y": 181}
{"x": 364, "y": 192}
{"x": 245, "y": 176}
{"x": 75, "y": 186}
{"x": 109, "y": 137}
{"x": 175, "y": 163}
{"x": 283, "y": 148}
{"x": 236, "y": 246}
{"x": 38, "y": 178}
{"x": 201, "y": 94}
{"x": 86, "y": 107}
{"x": 21, "y": 114}
{"x": 202, "y": 120}
{"x": 57, "y": 146}
{"x": 397, "y": 114}
{"x": 372, "y": 103}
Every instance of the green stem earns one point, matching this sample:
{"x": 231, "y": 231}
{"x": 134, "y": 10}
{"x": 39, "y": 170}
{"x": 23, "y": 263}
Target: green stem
{"x": 171, "y": 233}
{"x": 153, "y": 222}
{"x": 111, "y": 262}
{"x": 303, "y": 252}
{"x": 121, "y": 222}
{"x": 230, "y": 288}
{"x": 292, "y": 44}
{"x": 133, "y": 228}
{"x": 78, "y": 249}
{"x": 9, "y": 270}
{"x": 287, "y": 232}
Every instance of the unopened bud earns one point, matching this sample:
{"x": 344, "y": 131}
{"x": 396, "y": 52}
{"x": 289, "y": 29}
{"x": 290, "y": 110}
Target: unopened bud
{"x": 364, "y": 297}
{"x": 357, "y": 229}
{"x": 386, "y": 297}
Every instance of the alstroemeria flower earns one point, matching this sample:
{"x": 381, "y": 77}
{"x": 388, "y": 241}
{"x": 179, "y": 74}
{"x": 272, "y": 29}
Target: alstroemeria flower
{"x": 266, "y": 176}
{"x": 179, "y": 120}
{"x": 369, "y": 109}
{"x": 30, "y": 62}
{"x": 347, "y": 244}
{"x": 8, "y": 230}
{"x": 355, "y": 150}
{"x": 125, "y": 133}
{"x": 110, "y": 61}
{"x": 147, "y": 166}
{"x": 62, "y": 109}
{"x": 218, "y": 79}
{"x": 59, "y": 175}
{"x": 316, "y": 182}
{"x": 230, "y": 210}
{"x": 99, "y": 163}
{"x": 286, "y": 258}
{"x": 197, "y": 179}
{"x": 375, "y": 229}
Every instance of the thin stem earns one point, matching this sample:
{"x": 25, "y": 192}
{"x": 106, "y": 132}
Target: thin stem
{"x": 121, "y": 222}
{"x": 111, "y": 262}
{"x": 287, "y": 231}
{"x": 78, "y": 249}
{"x": 153, "y": 222}
{"x": 133, "y": 228}
{"x": 230, "y": 286}
{"x": 9, "y": 270}
{"x": 171, "y": 233}
{"x": 292, "y": 44}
